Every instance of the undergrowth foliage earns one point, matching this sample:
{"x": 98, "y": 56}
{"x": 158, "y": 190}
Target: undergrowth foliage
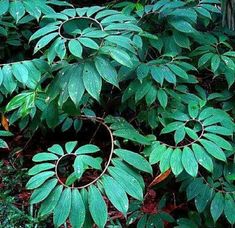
{"x": 158, "y": 76}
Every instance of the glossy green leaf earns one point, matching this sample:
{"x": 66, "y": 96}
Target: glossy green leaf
{"x": 134, "y": 159}
{"x": 127, "y": 182}
{"x": 44, "y": 157}
{"x": 87, "y": 42}
{"x": 78, "y": 212}
{"x": 40, "y": 167}
{"x": 175, "y": 161}
{"x": 63, "y": 207}
{"x": 51, "y": 201}
{"x": 189, "y": 162}
{"x": 75, "y": 48}
{"x": 202, "y": 157}
{"x": 229, "y": 209}
{"x": 39, "y": 179}
{"x": 217, "y": 206}
{"x": 70, "y": 146}
{"x": 106, "y": 70}
{"x": 165, "y": 160}
{"x": 121, "y": 57}
{"x": 43, "y": 191}
{"x": 118, "y": 197}
{"x": 56, "y": 149}
{"x": 213, "y": 149}
{"x": 92, "y": 81}
{"x": 97, "y": 207}
{"x": 87, "y": 149}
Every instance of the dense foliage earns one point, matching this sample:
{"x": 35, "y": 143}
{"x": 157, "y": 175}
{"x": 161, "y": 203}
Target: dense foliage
{"x": 122, "y": 113}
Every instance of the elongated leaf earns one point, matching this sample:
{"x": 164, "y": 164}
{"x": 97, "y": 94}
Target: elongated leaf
{"x": 78, "y": 212}
{"x": 157, "y": 153}
{"x": 132, "y": 135}
{"x": 76, "y": 87}
{"x": 121, "y": 57}
{"x": 97, "y": 207}
{"x": 175, "y": 162}
{"x": 217, "y": 206}
{"x": 118, "y": 197}
{"x": 62, "y": 209}
{"x": 165, "y": 160}
{"x": 182, "y": 26}
{"x": 43, "y": 31}
{"x": 20, "y": 72}
{"x": 128, "y": 182}
{"x": 42, "y": 192}
{"x": 51, "y": 201}
{"x": 75, "y": 48}
{"x": 44, "y": 157}
{"x": 134, "y": 159}
{"x": 39, "y": 179}
{"x": 87, "y": 42}
{"x": 219, "y": 130}
{"x": 203, "y": 198}
{"x": 39, "y": 168}
{"x": 44, "y": 41}
{"x": 202, "y": 157}
{"x": 189, "y": 162}
{"x": 219, "y": 141}
{"x": 106, "y": 70}
{"x": 229, "y": 209}
{"x": 213, "y": 149}
{"x": 92, "y": 81}
{"x": 87, "y": 149}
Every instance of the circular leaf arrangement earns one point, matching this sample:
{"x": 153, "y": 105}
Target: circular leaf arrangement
{"x": 82, "y": 29}
{"x": 202, "y": 143}
{"x": 90, "y": 36}
{"x": 67, "y": 201}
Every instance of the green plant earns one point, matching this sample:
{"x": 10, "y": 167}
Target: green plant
{"x": 159, "y": 73}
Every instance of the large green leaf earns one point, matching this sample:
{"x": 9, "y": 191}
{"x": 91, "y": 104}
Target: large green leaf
{"x": 118, "y": 197}
{"x": 217, "y": 206}
{"x": 44, "y": 157}
{"x": 78, "y": 212}
{"x": 51, "y": 201}
{"x": 56, "y": 149}
{"x": 182, "y": 26}
{"x": 43, "y": 191}
{"x": 132, "y": 135}
{"x": 175, "y": 161}
{"x": 189, "y": 162}
{"x": 165, "y": 160}
{"x": 40, "y": 167}
{"x": 20, "y": 72}
{"x": 106, "y": 70}
{"x": 229, "y": 209}
{"x": 39, "y": 179}
{"x": 87, "y": 149}
{"x": 44, "y": 41}
{"x": 121, "y": 57}
{"x": 97, "y": 207}
{"x": 128, "y": 182}
{"x": 202, "y": 157}
{"x": 134, "y": 159}
{"x": 75, "y": 48}
{"x": 62, "y": 209}
{"x": 92, "y": 80}
{"x": 213, "y": 149}
{"x": 76, "y": 86}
